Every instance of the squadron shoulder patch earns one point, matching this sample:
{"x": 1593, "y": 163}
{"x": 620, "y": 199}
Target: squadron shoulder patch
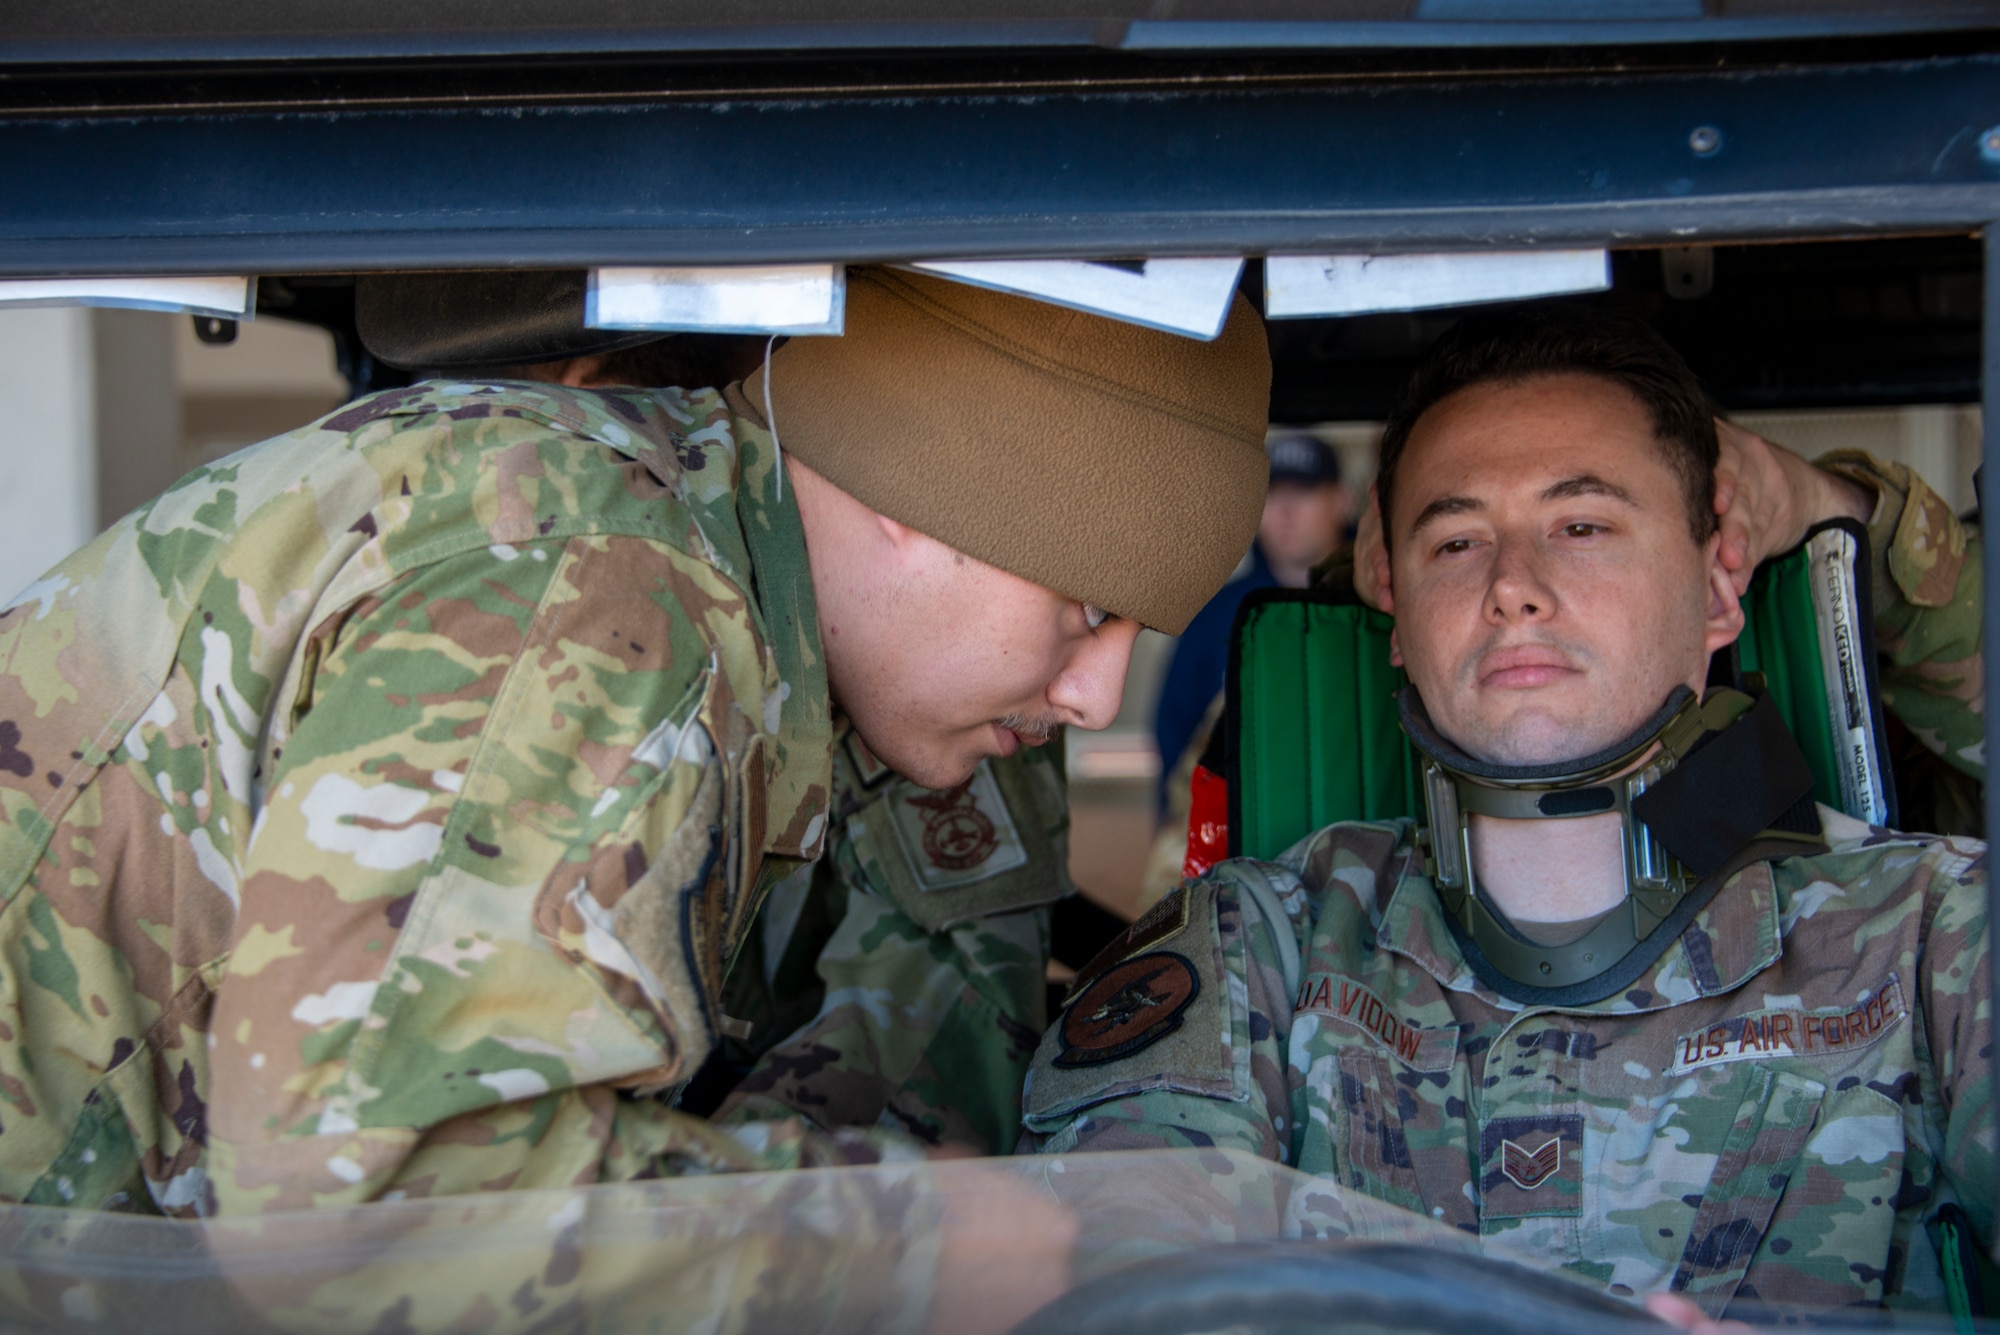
{"x": 1126, "y": 1009}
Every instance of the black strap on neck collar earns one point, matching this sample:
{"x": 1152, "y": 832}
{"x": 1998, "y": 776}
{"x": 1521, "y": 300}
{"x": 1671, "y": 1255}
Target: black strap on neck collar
{"x": 1737, "y": 783}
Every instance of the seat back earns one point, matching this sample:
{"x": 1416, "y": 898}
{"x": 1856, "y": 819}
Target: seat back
{"x": 1311, "y": 731}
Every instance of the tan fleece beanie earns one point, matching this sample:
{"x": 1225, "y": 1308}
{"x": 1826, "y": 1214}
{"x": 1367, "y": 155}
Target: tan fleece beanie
{"x": 1121, "y": 466}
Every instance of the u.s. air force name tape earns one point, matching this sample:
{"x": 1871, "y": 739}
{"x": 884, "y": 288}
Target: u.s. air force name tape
{"x": 1775, "y": 1032}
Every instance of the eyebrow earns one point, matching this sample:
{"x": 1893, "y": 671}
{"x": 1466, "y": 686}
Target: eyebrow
{"x": 1587, "y": 484}
{"x": 1443, "y": 507}
{"x": 1583, "y": 484}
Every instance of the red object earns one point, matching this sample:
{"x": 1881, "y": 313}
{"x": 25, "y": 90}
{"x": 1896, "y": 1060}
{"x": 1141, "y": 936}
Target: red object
{"x": 1208, "y": 822}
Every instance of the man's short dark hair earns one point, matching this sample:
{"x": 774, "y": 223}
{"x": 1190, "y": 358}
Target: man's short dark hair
{"x": 685, "y": 361}
{"x": 1568, "y": 340}
{"x": 682, "y": 361}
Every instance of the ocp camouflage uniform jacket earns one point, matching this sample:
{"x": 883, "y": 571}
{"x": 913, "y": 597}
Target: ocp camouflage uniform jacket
{"x": 899, "y": 980}
{"x": 1774, "y": 1110}
{"x": 381, "y": 808}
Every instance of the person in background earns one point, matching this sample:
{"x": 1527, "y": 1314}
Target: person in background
{"x": 1305, "y": 522}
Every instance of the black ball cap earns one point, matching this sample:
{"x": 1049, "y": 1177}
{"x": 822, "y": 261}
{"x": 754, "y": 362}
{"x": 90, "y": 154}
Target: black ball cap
{"x": 480, "y": 320}
{"x": 1302, "y": 459}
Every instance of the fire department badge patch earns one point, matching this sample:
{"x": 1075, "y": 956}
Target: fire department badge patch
{"x": 959, "y": 835}
{"x": 1127, "y": 1008}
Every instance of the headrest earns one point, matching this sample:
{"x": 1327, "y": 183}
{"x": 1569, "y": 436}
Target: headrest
{"x": 481, "y": 319}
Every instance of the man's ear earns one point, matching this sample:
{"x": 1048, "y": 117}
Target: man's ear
{"x": 1723, "y": 616}
{"x": 1371, "y": 558}
{"x": 582, "y": 372}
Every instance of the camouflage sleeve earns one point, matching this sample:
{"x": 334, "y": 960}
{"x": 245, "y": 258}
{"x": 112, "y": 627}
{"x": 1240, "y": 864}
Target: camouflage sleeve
{"x": 1176, "y": 1036}
{"x": 491, "y": 852}
{"x": 1957, "y": 1017}
{"x": 839, "y": 1253}
{"x": 850, "y": 1252}
{"x": 931, "y": 984}
{"x": 1927, "y": 590}
{"x": 929, "y": 1032}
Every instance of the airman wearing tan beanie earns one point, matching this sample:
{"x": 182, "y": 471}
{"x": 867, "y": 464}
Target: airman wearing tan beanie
{"x": 996, "y": 494}
{"x": 973, "y": 503}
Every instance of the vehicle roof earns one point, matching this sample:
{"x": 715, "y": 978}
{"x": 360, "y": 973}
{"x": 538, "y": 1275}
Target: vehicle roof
{"x": 245, "y": 29}
{"x": 291, "y": 171}
{"x": 224, "y": 136}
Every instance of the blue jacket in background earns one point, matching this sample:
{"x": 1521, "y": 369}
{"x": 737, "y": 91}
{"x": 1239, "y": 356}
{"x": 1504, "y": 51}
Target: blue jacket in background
{"x": 1196, "y": 668}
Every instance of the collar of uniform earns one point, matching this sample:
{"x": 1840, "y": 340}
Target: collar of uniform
{"x": 801, "y": 780}
{"x": 629, "y": 421}
{"x": 1729, "y": 942}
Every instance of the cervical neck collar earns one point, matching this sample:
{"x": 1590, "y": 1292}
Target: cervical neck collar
{"x": 1698, "y": 785}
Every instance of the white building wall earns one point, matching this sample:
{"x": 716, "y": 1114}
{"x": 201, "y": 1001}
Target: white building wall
{"x": 48, "y": 457}
{"x": 1941, "y": 442}
{"x": 138, "y": 409}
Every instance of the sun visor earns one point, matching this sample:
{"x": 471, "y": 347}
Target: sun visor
{"x": 1181, "y": 296}
{"x": 467, "y": 321}
{"x": 1297, "y": 286}
{"x": 226, "y": 298}
{"x": 785, "y": 299}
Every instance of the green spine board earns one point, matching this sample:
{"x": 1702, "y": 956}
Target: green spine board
{"x": 1781, "y": 640}
{"x": 1317, "y": 685}
{"x": 1322, "y": 741}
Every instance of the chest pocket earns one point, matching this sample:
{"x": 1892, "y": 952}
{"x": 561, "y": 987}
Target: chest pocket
{"x": 1834, "y": 1233}
{"x": 994, "y": 843}
{"x": 1393, "y": 1133}
{"x": 1761, "y": 1150}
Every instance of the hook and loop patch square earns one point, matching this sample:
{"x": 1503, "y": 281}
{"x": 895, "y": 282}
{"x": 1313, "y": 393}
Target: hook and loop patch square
{"x": 1531, "y": 1166}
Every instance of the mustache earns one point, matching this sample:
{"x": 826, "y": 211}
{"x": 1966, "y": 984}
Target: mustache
{"x": 1468, "y": 666}
{"x": 1032, "y": 727}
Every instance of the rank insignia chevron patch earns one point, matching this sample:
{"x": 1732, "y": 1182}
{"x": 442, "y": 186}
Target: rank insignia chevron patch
{"x": 1527, "y": 1170}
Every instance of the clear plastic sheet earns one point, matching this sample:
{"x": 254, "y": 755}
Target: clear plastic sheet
{"x": 961, "y": 1246}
